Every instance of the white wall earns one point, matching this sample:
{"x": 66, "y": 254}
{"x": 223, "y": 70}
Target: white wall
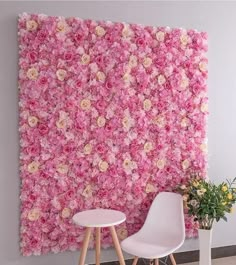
{"x": 218, "y": 19}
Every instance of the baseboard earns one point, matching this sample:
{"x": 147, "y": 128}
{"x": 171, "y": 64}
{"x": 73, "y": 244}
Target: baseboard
{"x": 189, "y": 256}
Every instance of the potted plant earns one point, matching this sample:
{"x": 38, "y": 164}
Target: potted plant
{"x": 207, "y": 202}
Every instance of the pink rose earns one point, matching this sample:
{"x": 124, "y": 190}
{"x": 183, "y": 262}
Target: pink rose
{"x": 43, "y": 129}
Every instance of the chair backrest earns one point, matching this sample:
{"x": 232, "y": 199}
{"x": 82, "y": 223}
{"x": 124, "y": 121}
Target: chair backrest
{"x": 166, "y": 218}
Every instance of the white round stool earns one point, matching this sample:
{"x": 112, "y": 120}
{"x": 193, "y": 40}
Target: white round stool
{"x": 99, "y": 218}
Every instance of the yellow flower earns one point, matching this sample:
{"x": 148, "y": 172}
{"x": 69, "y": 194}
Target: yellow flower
{"x": 85, "y": 104}
{"x": 224, "y": 203}
{"x": 149, "y": 188}
{"x": 160, "y": 36}
{"x": 62, "y": 168}
{"x": 87, "y": 149}
{"x": 103, "y": 166}
{"x": 61, "y": 123}
{"x": 62, "y": 26}
{"x": 148, "y": 147}
{"x": 32, "y": 73}
{"x": 195, "y": 184}
{"x": 184, "y": 122}
{"x": 224, "y": 188}
{"x": 203, "y": 66}
{"x": 66, "y": 213}
{"x": 147, "y": 104}
{"x": 204, "y": 107}
{"x": 34, "y": 214}
{"x": 161, "y": 163}
{"x": 184, "y": 39}
{"x": 61, "y": 74}
{"x": 32, "y": 121}
{"x": 159, "y": 121}
{"x": 100, "y": 31}
{"x": 185, "y": 164}
{"x": 147, "y": 62}
{"x": 101, "y": 76}
{"x": 161, "y": 80}
{"x": 122, "y": 233}
{"x": 31, "y": 25}
{"x": 101, "y": 121}
{"x": 87, "y": 193}
{"x": 33, "y": 167}
{"x": 133, "y": 61}
{"x": 85, "y": 59}
{"x": 230, "y": 196}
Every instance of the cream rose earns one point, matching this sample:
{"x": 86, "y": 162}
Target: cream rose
{"x": 66, "y": 212}
{"x": 34, "y": 214}
{"x": 148, "y": 146}
{"x": 101, "y": 121}
{"x": 185, "y": 164}
{"x": 161, "y": 80}
{"x": 133, "y": 61}
{"x": 184, "y": 39}
{"x": 62, "y": 26}
{"x": 203, "y": 66}
{"x": 61, "y": 74}
{"x": 126, "y": 32}
{"x": 184, "y": 122}
{"x": 159, "y": 121}
{"x": 101, "y": 76}
{"x": 62, "y": 168}
{"x": 33, "y": 167}
{"x": 32, "y": 73}
{"x": 184, "y": 82}
{"x": 85, "y": 59}
{"x": 204, "y": 107}
{"x": 161, "y": 163}
{"x": 149, "y": 188}
{"x": 88, "y": 192}
{"x": 100, "y": 31}
{"x": 85, "y": 104}
{"x": 160, "y": 36}
{"x": 147, "y": 62}
{"x": 103, "y": 166}
{"x": 31, "y": 25}
{"x": 147, "y": 104}
{"x": 122, "y": 233}
{"x": 32, "y": 121}
{"x": 88, "y": 149}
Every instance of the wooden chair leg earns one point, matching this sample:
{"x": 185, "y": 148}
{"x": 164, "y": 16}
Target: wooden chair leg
{"x": 172, "y": 259}
{"x": 135, "y": 261}
{"x": 85, "y": 246}
{"x": 98, "y": 245}
{"x": 156, "y": 261}
{"x": 117, "y": 245}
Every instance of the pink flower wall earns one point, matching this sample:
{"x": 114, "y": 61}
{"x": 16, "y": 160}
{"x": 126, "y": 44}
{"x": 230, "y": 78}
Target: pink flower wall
{"x": 110, "y": 115}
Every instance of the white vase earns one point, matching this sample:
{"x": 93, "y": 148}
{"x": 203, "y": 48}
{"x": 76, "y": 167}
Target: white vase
{"x": 205, "y": 239}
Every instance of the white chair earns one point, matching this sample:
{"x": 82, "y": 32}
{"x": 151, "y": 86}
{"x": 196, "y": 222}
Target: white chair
{"x": 163, "y": 231}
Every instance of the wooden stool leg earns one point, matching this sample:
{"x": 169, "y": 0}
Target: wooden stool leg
{"x": 98, "y": 245}
{"x": 85, "y": 246}
{"x": 135, "y": 261}
{"x": 172, "y": 259}
{"x": 117, "y": 245}
{"x": 156, "y": 261}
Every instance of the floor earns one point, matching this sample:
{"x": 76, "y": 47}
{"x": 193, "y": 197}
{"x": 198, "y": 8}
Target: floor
{"x": 223, "y": 261}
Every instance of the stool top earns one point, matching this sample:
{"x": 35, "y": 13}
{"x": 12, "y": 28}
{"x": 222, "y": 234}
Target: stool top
{"x": 99, "y": 218}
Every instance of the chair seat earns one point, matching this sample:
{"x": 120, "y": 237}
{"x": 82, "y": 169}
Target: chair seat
{"x": 149, "y": 249}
